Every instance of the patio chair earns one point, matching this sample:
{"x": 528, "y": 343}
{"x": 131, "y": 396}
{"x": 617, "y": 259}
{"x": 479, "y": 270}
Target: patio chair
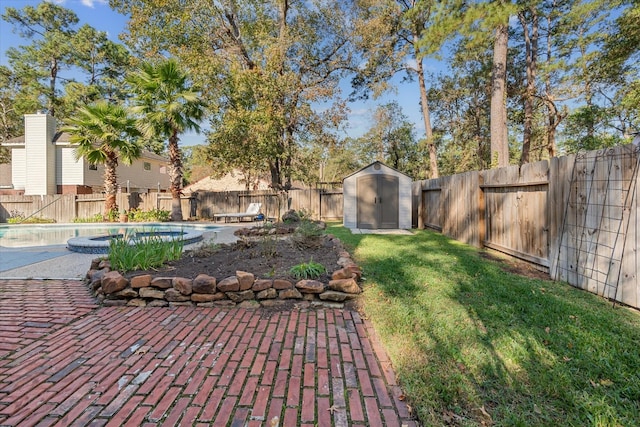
{"x": 252, "y": 211}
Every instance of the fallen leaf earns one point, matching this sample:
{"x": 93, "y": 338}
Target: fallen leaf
{"x": 401, "y": 397}
{"x": 572, "y": 317}
{"x": 275, "y": 421}
{"x": 566, "y": 359}
{"x": 536, "y": 409}
{"x": 143, "y": 350}
{"x": 484, "y": 412}
{"x": 593, "y": 384}
{"x": 547, "y": 329}
{"x": 606, "y": 382}
{"x": 332, "y": 409}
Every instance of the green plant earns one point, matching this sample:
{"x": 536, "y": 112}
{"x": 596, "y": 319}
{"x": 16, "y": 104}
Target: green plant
{"x": 153, "y": 215}
{"x": 95, "y": 218}
{"x": 129, "y": 252}
{"x": 17, "y": 217}
{"x": 268, "y": 241}
{"x": 307, "y": 234}
{"x": 308, "y": 270}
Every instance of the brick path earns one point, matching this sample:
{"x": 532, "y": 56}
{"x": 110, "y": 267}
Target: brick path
{"x": 66, "y": 362}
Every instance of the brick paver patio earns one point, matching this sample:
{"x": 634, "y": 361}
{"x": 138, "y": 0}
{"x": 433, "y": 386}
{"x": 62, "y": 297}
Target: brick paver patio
{"x": 65, "y": 361}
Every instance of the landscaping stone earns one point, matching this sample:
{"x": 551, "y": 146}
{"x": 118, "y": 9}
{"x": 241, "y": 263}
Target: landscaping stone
{"x": 204, "y": 284}
{"x": 174, "y": 295}
{"x": 250, "y": 304}
{"x": 245, "y": 280}
{"x": 151, "y": 293}
{"x": 262, "y": 284}
{"x": 310, "y": 286}
{"x": 111, "y": 288}
{"x": 230, "y": 284}
{"x": 335, "y": 296}
{"x": 137, "y": 302}
{"x": 292, "y": 293}
{"x": 269, "y": 293}
{"x": 241, "y": 295}
{"x": 282, "y": 284}
{"x": 349, "y": 286}
{"x": 142, "y": 281}
{"x": 113, "y": 282}
{"x": 183, "y": 285}
{"x": 127, "y": 293}
{"x": 162, "y": 282}
{"x": 207, "y": 297}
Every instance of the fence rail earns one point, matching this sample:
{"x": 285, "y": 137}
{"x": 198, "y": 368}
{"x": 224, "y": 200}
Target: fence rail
{"x": 574, "y": 216}
{"x": 319, "y": 203}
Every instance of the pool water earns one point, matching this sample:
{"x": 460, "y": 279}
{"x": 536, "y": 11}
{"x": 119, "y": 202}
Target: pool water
{"x": 28, "y": 235}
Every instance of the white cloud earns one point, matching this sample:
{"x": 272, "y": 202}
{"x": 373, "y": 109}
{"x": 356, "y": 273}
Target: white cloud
{"x": 91, "y": 3}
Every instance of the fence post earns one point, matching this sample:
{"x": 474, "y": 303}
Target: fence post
{"x": 482, "y": 226}
{"x": 420, "y": 199}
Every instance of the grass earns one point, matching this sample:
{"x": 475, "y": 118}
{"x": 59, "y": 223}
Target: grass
{"x": 475, "y": 345}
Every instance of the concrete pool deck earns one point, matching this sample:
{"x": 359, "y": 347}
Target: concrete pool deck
{"x": 58, "y": 262}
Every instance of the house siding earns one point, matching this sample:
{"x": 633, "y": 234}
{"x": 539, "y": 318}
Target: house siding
{"x": 18, "y": 168}
{"x": 69, "y": 171}
{"x": 40, "y": 152}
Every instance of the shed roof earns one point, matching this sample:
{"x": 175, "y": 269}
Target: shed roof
{"x": 373, "y": 163}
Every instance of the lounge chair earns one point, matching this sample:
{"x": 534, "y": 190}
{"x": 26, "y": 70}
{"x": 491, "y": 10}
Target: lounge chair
{"x": 252, "y": 211}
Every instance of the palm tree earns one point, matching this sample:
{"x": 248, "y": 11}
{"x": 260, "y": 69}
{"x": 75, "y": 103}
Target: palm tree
{"x": 168, "y": 105}
{"x": 104, "y": 134}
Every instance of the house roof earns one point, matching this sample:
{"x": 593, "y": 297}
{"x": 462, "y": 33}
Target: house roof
{"x": 65, "y": 137}
{"x": 232, "y": 181}
{"x": 373, "y": 163}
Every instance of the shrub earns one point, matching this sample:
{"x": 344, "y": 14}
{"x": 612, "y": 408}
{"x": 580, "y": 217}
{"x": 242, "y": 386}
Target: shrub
{"x": 17, "y": 217}
{"x": 307, "y": 234}
{"x": 153, "y": 215}
{"x": 308, "y": 270}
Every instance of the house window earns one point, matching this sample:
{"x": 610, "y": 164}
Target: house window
{"x": 93, "y": 167}
{"x": 147, "y": 166}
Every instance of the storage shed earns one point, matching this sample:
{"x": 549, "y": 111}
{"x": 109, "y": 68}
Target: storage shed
{"x": 377, "y": 197}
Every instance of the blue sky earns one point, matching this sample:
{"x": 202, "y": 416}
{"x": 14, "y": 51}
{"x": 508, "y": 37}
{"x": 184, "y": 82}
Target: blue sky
{"x": 99, "y": 15}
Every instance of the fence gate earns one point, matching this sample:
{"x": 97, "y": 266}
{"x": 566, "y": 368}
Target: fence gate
{"x": 596, "y": 220}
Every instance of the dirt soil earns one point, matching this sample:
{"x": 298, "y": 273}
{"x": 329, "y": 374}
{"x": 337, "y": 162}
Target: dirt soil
{"x": 515, "y": 266}
{"x": 265, "y": 257}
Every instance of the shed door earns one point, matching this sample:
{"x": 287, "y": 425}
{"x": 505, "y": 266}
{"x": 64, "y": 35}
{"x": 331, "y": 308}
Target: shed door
{"x": 377, "y": 201}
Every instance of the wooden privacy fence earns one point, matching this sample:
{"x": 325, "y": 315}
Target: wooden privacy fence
{"x": 319, "y": 203}
{"x": 574, "y": 216}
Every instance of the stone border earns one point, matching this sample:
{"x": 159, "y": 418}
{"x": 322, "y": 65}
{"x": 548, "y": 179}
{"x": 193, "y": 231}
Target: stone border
{"x": 113, "y": 289}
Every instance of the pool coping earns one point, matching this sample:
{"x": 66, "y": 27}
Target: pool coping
{"x": 101, "y": 244}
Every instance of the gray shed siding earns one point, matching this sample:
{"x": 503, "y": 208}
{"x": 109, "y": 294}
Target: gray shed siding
{"x": 350, "y": 196}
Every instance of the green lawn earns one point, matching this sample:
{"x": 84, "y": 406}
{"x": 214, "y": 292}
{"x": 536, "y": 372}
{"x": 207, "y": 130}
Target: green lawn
{"x": 475, "y": 345}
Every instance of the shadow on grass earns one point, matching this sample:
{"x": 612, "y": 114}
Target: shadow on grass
{"x": 476, "y": 345}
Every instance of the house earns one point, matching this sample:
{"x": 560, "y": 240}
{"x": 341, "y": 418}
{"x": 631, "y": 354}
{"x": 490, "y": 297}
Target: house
{"x": 43, "y": 162}
{"x": 377, "y": 197}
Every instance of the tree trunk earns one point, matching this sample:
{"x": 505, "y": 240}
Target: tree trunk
{"x": 531, "y": 53}
{"x": 433, "y": 156}
{"x": 499, "y": 140}
{"x": 175, "y": 176}
{"x": 110, "y": 184}
{"x": 52, "y": 86}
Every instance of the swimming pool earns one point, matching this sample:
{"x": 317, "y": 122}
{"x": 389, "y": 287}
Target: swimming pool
{"x": 28, "y": 235}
